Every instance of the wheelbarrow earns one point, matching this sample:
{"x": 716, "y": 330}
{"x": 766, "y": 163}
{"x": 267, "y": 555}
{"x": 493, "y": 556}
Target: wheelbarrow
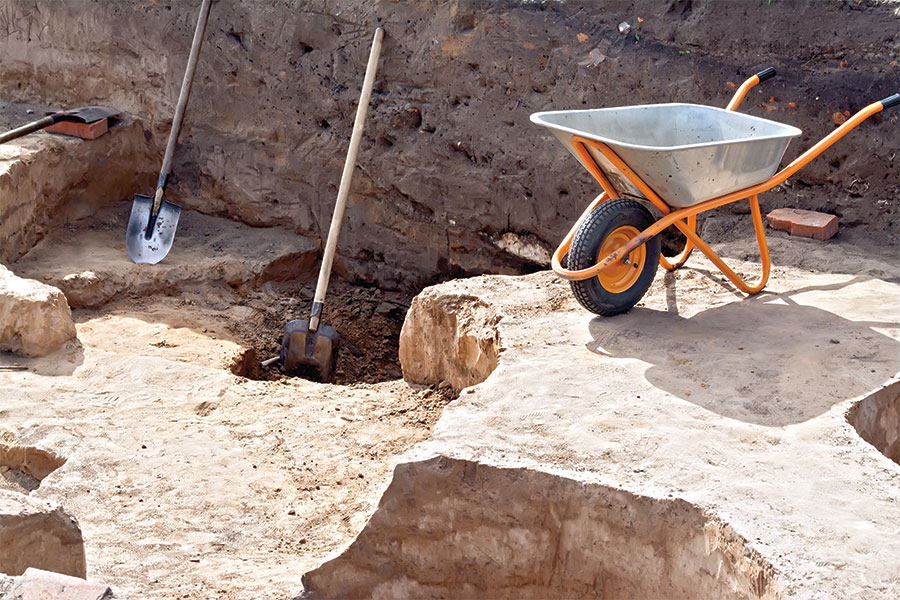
{"x": 681, "y": 159}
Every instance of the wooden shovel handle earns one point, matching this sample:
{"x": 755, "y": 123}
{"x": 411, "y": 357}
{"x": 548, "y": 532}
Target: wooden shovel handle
{"x": 28, "y": 128}
{"x": 183, "y": 97}
{"x": 347, "y": 176}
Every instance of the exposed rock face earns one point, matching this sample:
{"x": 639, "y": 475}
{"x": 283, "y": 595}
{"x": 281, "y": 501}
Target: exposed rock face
{"x": 36, "y": 462}
{"x": 449, "y": 528}
{"x": 37, "y": 584}
{"x": 449, "y": 160}
{"x": 34, "y": 533}
{"x": 35, "y": 318}
{"x": 449, "y": 337}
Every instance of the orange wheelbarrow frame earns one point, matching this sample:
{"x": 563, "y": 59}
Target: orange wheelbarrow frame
{"x": 685, "y": 219}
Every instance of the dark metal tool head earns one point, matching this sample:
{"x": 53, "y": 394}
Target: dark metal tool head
{"x": 149, "y": 237}
{"x": 88, "y": 114}
{"x": 304, "y": 348}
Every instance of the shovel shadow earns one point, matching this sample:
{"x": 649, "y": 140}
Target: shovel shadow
{"x": 765, "y": 360}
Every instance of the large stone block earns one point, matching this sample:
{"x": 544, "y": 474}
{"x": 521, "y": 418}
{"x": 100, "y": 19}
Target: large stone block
{"x": 35, "y": 318}
{"x": 36, "y": 584}
{"x": 449, "y": 337}
{"x": 35, "y": 533}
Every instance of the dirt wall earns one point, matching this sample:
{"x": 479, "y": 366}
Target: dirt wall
{"x": 449, "y": 160}
{"x": 450, "y": 528}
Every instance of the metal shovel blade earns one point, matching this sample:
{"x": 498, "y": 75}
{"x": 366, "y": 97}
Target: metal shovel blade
{"x": 302, "y": 347}
{"x": 89, "y": 114}
{"x": 149, "y": 240}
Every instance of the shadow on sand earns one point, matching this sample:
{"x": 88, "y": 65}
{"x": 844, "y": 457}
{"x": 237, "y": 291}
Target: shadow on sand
{"x": 765, "y": 359}
{"x": 60, "y": 363}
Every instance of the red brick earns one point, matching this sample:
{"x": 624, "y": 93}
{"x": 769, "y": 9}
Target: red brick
{"x": 36, "y": 584}
{"x": 805, "y": 223}
{"x": 85, "y": 131}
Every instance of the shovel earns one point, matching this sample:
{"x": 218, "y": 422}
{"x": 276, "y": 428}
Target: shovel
{"x": 308, "y": 342}
{"x": 151, "y": 226}
{"x": 86, "y": 114}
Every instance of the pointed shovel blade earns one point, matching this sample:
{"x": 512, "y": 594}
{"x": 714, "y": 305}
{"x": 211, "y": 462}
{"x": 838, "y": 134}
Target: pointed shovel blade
{"x": 152, "y": 248}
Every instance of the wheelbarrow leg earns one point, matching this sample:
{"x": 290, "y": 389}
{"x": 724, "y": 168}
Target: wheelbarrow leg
{"x": 733, "y": 277}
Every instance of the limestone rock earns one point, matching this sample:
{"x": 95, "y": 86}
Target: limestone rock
{"x": 35, "y": 533}
{"x": 34, "y": 461}
{"x": 36, "y": 584}
{"x": 451, "y": 337}
{"x": 35, "y": 318}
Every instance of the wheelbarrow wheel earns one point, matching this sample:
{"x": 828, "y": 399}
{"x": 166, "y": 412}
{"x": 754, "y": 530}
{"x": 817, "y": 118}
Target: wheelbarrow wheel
{"x": 619, "y": 287}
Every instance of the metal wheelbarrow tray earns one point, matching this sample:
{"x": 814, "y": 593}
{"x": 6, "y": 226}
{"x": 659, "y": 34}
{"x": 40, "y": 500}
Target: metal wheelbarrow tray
{"x": 687, "y": 153}
{"x": 683, "y": 159}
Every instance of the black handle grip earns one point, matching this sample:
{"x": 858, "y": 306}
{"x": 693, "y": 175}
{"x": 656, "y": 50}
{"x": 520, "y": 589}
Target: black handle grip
{"x": 767, "y": 73}
{"x": 890, "y": 101}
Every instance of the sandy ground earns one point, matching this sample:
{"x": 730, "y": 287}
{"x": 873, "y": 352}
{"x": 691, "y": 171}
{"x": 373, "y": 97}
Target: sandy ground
{"x": 737, "y": 405}
{"x": 188, "y": 480}
{"x": 192, "y": 482}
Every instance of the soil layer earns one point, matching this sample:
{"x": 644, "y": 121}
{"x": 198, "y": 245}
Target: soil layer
{"x": 449, "y": 161}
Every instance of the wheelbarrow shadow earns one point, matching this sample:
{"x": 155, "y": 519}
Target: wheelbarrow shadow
{"x": 765, "y": 359}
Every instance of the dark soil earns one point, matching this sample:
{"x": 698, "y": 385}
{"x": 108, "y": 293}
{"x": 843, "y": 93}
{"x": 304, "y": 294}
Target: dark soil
{"x": 368, "y": 320}
{"x": 449, "y": 160}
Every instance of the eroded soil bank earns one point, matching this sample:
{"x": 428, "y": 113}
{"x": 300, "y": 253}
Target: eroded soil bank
{"x": 471, "y": 530}
{"x": 877, "y": 419}
{"x": 450, "y": 161}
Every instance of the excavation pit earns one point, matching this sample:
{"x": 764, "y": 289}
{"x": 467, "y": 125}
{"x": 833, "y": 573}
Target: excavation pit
{"x": 367, "y": 319}
{"x": 309, "y": 459}
{"x": 449, "y": 528}
{"x": 877, "y": 420}
{"x": 230, "y": 289}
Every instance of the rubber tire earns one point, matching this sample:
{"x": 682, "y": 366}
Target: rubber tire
{"x": 586, "y": 243}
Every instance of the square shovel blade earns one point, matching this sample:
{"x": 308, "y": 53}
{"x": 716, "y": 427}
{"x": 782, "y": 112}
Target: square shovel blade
{"x": 152, "y": 248}
{"x": 302, "y": 347}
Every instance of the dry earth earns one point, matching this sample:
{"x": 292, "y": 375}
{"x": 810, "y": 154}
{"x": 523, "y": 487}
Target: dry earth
{"x": 705, "y": 444}
{"x": 188, "y": 479}
{"x": 719, "y": 420}
{"x": 192, "y": 482}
